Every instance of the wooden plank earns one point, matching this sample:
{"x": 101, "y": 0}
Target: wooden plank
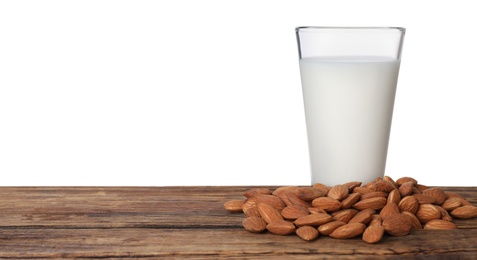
{"x": 180, "y": 243}
{"x": 179, "y": 222}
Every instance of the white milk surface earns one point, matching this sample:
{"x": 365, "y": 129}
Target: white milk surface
{"x": 348, "y": 107}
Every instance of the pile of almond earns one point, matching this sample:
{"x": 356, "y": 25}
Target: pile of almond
{"x": 351, "y": 209}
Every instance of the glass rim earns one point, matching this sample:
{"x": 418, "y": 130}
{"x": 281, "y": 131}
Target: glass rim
{"x": 311, "y": 28}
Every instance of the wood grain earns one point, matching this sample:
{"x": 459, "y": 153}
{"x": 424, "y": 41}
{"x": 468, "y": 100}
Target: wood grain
{"x": 185, "y": 222}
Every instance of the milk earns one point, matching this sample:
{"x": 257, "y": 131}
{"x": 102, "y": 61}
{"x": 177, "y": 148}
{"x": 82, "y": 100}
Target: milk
{"x": 348, "y": 108}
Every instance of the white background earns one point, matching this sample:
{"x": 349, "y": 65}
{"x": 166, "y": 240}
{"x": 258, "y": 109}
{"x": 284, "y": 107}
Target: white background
{"x": 187, "y": 92}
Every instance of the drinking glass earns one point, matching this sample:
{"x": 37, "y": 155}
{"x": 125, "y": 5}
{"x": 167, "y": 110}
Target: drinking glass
{"x": 349, "y": 77}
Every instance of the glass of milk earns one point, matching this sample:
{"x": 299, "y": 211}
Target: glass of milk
{"x": 349, "y": 77}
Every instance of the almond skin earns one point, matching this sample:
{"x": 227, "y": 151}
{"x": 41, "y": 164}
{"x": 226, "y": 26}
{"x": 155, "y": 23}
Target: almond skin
{"x": 384, "y": 186}
{"x": 362, "y": 190}
{"x": 295, "y": 200}
{"x": 352, "y": 184}
{"x": 402, "y": 180}
{"x": 252, "y": 211}
{"x": 271, "y": 200}
{"x": 309, "y": 193}
{"x": 437, "y": 193}
{"x": 409, "y": 203}
{"x": 363, "y": 216}
{"x": 375, "y": 220}
{"x": 388, "y": 210}
{"x": 338, "y": 192}
{"x": 327, "y": 203}
{"x": 344, "y": 215}
{"x": 281, "y": 227}
{"x": 294, "y": 211}
{"x": 374, "y": 194}
{"x": 452, "y": 203}
{"x": 234, "y": 206}
{"x": 256, "y": 191}
{"x": 373, "y": 234}
{"x": 350, "y": 200}
{"x": 254, "y": 224}
{"x": 282, "y": 193}
{"x": 376, "y": 203}
{"x": 307, "y": 233}
{"x": 464, "y": 212}
{"x": 397, "y": 225}
{"x": 249, "y": 203}
{"x": 406, "y": 188}
{"x": 394, "y": 196}
{"x": 415, "y": 223}
{"x": 269, "y": 213}
{"x": 313, "y": 220}
{"x": 348, "y": 231}
{"x": 329, "y": 227}
{"x": 439, "y": 224}
{"x": 428, "y": 212}
{"x": 424, "y": 199}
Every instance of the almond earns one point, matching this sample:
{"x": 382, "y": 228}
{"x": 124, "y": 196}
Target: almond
{"x": 294, "y": 211}
{"x": 349, "y": 230}
{"x": 271, "y": 200}
{"x": 256, "y": 191}
{"x": 327, "y": 203}
{"x": 282, "y": 193}
{"x": 329, "y": 227}
{"x": 388, "y": 210}
{"x": 281, "y": 227}
{"x": 376, "y": 203}
{"x": 351, "y": 185}
{"x": 269, "y": 213}
{"x": 384, "y": 186}
{"x": 402, "y": 180}
{"x": 338, "y": 192}
{"x": 234, "y": 206}
{"x": 316, "y": 210}
{"x": 436, "y": 193}
{"x": 254, "y": 224}
{"x": 249, "y": 203}
{"x": 439, "y": 224}
{"x": 415, "y": 223}
{"x": 424, "y": 199}
{"x": 389, "y": 179}
{"x": 322, "y": 187}
{"x": 452, "y": 203}
{"x": 252, "y": 211}
{"x": 394, "y": 196}
{"x": 363, "y": 216}
{"x": 374, "y": 194}
{"x": 375, "y": 220}
{"x": 313, "y": 220}
{"x": 421, "y": 187}
{"x": 397, "y": 225}
{"x": 295, "y": 200}
{"x": 307, "y": 233}
{"x": 415, "y": 191}
{"x": 309, "y": 193}
{"x": 409, "y": 203}
{"x": 464, "y": 212}
{"x": 344, "y": 215}
{"x": 362, "y": 190}
{"x": 444, "y": 214}
{"x": 427, "y": 212}
{"x": 373, "y": 234}
{"x": 350, "y": 200}
{"x": 453, "y": 195}
{"x": 406, "y": 188}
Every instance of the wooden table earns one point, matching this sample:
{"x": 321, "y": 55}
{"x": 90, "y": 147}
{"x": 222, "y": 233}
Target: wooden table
{"x": 180, "y": 222}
